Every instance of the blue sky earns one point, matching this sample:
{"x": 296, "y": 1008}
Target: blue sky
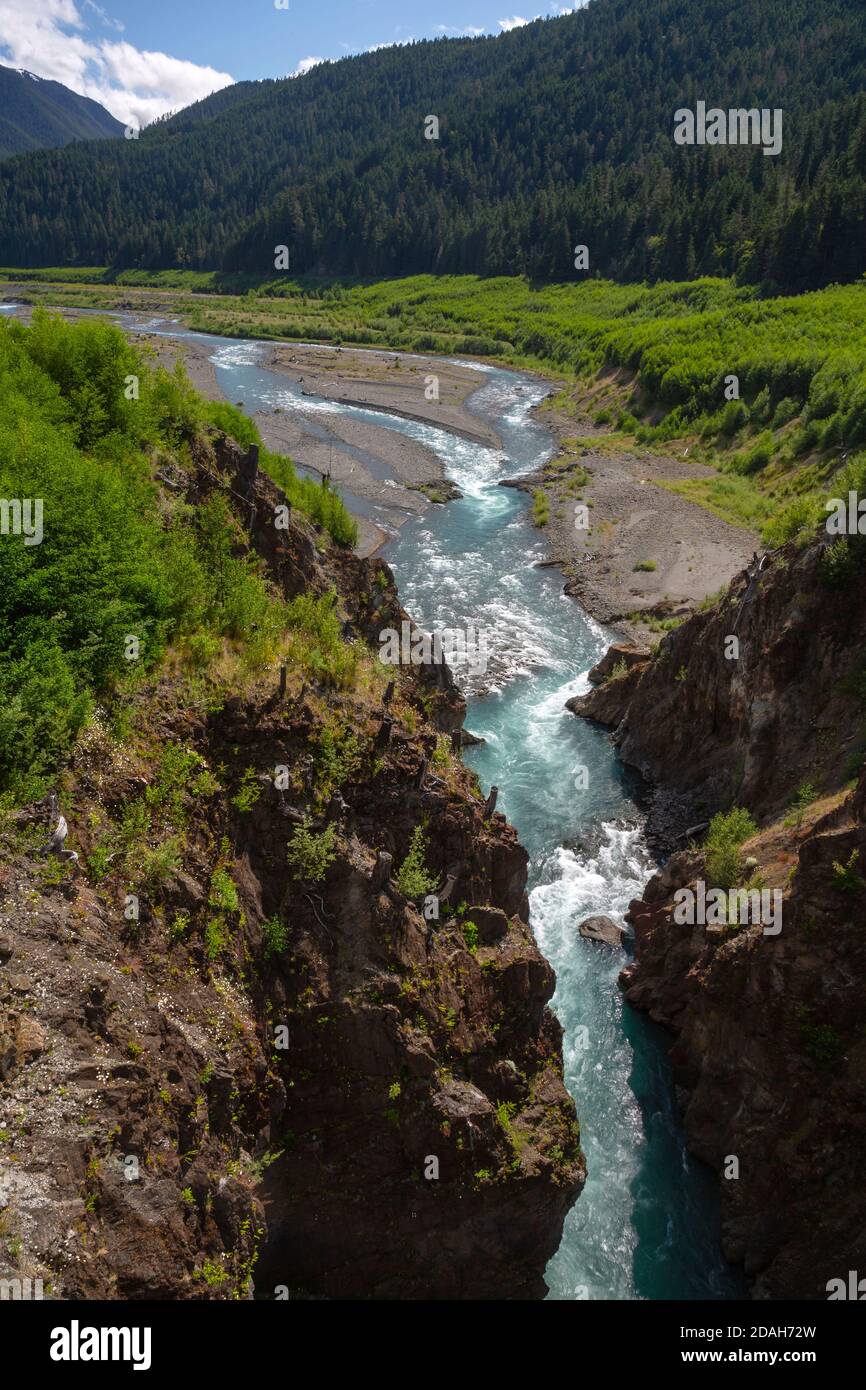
{"x": 251, "y": 38}
{"x": 140, "y": 58}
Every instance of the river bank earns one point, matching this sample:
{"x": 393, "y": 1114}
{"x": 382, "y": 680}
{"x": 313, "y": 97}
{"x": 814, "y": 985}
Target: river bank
{"x": 386, "y": 477}
{"x": 396, "y": 473}
{"x": 635, "y": 554}
{"x": 642, "y": 556}
{"x": 638, "y": 556}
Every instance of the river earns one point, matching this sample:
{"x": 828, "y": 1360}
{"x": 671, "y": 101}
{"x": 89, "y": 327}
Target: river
{"x": 646, "y": 1225}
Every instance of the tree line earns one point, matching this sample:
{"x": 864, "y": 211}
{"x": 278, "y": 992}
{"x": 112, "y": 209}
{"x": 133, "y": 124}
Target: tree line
{"x": 554, "y": 135}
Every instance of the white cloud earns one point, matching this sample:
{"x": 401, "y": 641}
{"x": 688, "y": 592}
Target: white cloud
{"x": 105, "y": 19}
{"x": 306, "y": 63}
{"x": 470, "y": 31}
{"x": 352, "y": 53}
{"x": 518, "y": 21}
{"x": 136, "y": 86}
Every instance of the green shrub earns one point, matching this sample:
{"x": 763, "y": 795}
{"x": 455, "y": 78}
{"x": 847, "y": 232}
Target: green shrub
{"x": 105, "y": 565}
{"x": 727, "y": 833}
{"x": 275, "y": 937}
{"x": 733, "y": 417}
{"x": 99, "y": 862}
{"x": 540, "y": 507}
{"x": 318, "y": 501}
{"x": 223, "y": 894}
{"x": 837, "y": 566}
{"x": 822, "y": 1043}
{"x": 200, "y": 649}
{"x": 337, "y": 760}
{"x": 115, "y": 561}
{"x": 797, "y": 520}
{"x": 318, "y": 645}
{"x": 802, "y": 799}
{"x": 215, "y": 938}
{"x": 166, "y": 794}
{"x": 310, "y": 854}
{"x": 617, "y": 672}
{"x": 248, "y": 792}
{"x": 159, "y": 864}
{"x": 785, "y": 411}
{"x": 470, "y": 934}
{"x": 133, "y": 828}
{"x": 505, "y": 1112}
{"x": 846, "y": 879}
{"x": 761, "y": 406}
{"x": 441, "y": 756}
{"x": 179, "y": 926}
{"x": 232, "y": 422}
{"x": 412, "y": 879}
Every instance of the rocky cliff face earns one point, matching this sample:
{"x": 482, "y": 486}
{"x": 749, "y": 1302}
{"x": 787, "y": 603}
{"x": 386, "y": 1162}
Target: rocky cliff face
{"x": 770, "y": 1050}
{"x": 786, "y": 709}
{"x": 217, "y": 1068}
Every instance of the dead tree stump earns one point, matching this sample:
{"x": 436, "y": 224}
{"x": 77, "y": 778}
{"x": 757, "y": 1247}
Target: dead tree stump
{"x": 381, "y": 870}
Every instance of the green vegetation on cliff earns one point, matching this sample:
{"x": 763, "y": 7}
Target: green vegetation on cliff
{"x": 727, "y": 833}
{"x": 113, "y": 569}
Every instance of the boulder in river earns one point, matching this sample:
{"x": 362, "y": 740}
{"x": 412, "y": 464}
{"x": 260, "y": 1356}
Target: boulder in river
{"x": 602, "y": 929}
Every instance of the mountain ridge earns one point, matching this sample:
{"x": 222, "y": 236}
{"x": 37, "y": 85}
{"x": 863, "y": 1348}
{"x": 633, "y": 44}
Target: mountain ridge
{"x": 42, "y": 114}
{"x": 529, "y": 161}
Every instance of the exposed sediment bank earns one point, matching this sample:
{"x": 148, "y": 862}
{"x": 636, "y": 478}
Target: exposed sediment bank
{"x": 396, "y": 473}
{"x": 638, "y": 552}
{"x": 430, "y": 389}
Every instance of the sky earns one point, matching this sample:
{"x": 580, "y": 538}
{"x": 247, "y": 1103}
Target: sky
{"x": 142, "y": 58}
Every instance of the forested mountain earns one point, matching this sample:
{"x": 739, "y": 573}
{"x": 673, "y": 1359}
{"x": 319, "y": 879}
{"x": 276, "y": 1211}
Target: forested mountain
{"x": 36, "y": 114}
{"x": 557, "y": 133}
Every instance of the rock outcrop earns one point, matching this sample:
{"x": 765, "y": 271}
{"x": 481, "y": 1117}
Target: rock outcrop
{"x": 747, "y": 728}
{"x": 618, "y": 659}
